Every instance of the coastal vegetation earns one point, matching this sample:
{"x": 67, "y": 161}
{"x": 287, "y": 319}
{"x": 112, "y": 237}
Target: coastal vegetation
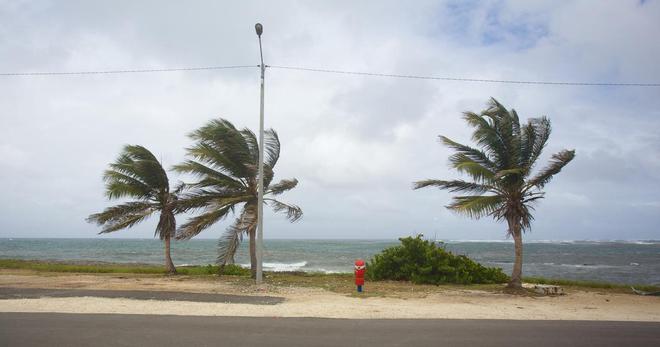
{"x": 114, "y": 268}
{"x": 340, "y": 283}
{"x": 224, "y": 159}
{"x": 502, "y": 185}
{"x": 137, "y": 174}
{"x": 423, "y": 262}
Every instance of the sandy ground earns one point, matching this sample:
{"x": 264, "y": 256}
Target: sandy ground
{"x": 314, "y": 302}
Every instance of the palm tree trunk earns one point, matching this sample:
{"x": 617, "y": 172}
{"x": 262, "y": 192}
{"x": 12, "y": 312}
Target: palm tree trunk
{"x": 253, "y": 252}
{"x": 168, "y": 258}
{"x": 516, "y": 274}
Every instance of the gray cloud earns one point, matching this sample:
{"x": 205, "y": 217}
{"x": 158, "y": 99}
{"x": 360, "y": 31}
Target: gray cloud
{"x": 355, "y": 143}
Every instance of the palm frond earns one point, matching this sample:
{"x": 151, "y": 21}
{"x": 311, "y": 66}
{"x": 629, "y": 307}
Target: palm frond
{"x": 515, "y": 124}
{"x": 476, "y": 206}
{"x": 486, "y": 136}
{"x": 228, "y": 146}
{"x": 179, "y": 189}
{"x": 532, "y": 197}
{"x": 210, "y": 154}
{"x": 542, "y": 130}
{"x": 138, "y": 162}
{"x": 136, "y": 173}
{"x": 557, "y": 162}
{"x": 502, "y": 121}
{"x": 271, "y": 148}
{"x": 509, "y": 172}
{"x": 293, "y": 212}
{"x": 502, "y": 125}
{"x": 137, "y": 153}
{"x": 231, "y": 239}
{"x": 455, "y": 186}
{"x": 464, "y": 164}
{"x": 252, "y": 144}
{"x": 527, "y": 139}
{"x": 119, "y": 185}
{"x": 201, "y": 198}
{"x": 197, "y": 224}
{"x": 228, "y": 245}
{"x": 210, "y": 177}
{"x": 122, "y": 216}
{"x": 282, "y": 186}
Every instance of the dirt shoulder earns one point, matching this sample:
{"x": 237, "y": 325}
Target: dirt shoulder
{"x": 382, "y": 300}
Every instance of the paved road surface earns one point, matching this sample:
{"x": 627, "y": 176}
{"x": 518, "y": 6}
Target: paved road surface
{"x": 32, "y": 293}
{"x": 55, "y": 329}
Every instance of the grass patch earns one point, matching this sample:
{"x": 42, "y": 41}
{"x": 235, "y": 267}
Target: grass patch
{"x": 44, "y": 266}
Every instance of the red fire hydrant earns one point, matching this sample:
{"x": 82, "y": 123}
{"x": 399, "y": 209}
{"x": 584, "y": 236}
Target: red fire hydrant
{"x": 360, "y": 268}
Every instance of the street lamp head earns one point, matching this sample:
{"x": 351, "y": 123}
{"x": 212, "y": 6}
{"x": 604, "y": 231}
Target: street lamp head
{"x": 259, "y": 28}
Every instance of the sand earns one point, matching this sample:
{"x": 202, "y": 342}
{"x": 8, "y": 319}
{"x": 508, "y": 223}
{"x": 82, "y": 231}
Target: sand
{"x": 315, "y": 302}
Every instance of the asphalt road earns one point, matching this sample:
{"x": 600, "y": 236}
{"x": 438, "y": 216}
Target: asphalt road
{"x": 33, "y": 293}
{"x": 55, "y": 329}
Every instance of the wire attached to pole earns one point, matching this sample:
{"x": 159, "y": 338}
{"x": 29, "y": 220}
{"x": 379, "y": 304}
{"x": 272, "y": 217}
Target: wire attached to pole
{"x": 460, "y": 79}
{"x": 333, "y": 71}
{"x": 110, "y": 72}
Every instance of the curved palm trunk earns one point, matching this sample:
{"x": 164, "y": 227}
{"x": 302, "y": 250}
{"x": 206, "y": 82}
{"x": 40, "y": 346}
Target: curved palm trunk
{"x": 168, "y": 258}
{"x": 253, "y": 252}
{"x": 516, "y": 274}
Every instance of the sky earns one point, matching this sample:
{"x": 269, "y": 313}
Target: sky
{"x": 355, "y": 143}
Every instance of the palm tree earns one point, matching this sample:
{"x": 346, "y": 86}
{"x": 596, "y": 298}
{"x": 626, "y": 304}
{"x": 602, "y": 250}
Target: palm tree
{"x": 502, "y": 185}
{"x": 137, "y": 174}
{"x": 225, "y": 161}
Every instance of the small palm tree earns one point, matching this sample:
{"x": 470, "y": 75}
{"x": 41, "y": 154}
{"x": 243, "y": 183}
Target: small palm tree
{"x": 225, "y": 161}
{"x": 502, "y": 185}
{"x": 139, "y": 175}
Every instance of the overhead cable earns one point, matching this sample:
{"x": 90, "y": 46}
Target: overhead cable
{"x": 342, "y": 72}
{"x": 462, "y": 79}
{"x": 104, "y": 72}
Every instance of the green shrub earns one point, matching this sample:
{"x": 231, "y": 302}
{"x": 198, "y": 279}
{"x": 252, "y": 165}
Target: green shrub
{"x": 422, "y": 261}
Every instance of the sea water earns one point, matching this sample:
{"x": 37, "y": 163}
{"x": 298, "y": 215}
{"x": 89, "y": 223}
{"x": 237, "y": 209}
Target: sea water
{"x": 623, "y": 262}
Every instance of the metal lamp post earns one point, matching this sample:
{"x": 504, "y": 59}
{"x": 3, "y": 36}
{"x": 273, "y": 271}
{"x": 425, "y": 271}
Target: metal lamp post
{"x": 260, "y": 209}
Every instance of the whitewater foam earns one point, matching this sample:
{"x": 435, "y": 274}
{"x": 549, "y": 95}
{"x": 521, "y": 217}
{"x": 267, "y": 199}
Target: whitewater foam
{"x": 281, "y": 267}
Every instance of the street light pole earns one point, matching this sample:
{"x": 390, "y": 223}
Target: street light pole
{"x": 260, "y": 209}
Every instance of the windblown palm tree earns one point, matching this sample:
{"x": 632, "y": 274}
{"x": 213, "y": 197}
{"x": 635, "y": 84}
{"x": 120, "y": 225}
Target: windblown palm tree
{"x": 225, "y": 161}
{"x": 137, "y": 174}
{"x": 502, "y": 185}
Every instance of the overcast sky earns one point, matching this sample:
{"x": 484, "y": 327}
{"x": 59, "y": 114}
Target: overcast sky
{"x": 355, "y": 143}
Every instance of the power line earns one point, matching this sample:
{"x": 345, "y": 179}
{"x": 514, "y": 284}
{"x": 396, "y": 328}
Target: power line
{"x": 459, "y": 79}
{"x": 108, "y": 72}
{"x": 343, "y": 72}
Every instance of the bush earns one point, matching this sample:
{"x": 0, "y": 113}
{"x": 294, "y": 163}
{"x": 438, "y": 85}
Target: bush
{"x": 422, "y": 261}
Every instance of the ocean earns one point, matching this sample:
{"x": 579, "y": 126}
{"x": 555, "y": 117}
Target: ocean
{"x": 625, "y": 262}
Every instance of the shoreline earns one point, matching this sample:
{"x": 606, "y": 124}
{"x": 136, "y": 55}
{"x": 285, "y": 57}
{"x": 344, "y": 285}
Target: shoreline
{"x": 87, "y": 266}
